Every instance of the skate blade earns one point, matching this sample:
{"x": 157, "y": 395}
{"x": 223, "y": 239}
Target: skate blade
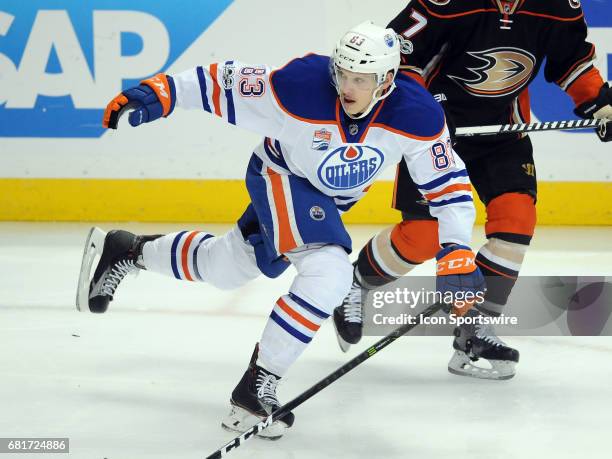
{"x": 344, "y": 346}
{"x": 460, "y": 364}
{"x": 93, "y": 247}
{"x": 240, "y": 420}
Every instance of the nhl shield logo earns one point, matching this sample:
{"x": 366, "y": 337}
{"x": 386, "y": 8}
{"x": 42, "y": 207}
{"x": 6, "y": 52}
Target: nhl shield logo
{"x": 321, "y": 139}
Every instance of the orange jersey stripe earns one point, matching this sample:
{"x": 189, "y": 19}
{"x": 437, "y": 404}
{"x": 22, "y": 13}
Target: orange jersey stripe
{"x": 449, "y": 189}
{"x": 450, "y": 16}
{"x": 216, "y": 89}
{"x": 296, "y": 316}
{"x": 365, "y": 131}
{"x": 585, "y": 87}
{"x": 432, "y": 75}
{"x": 414, "y": 75}
{"x": 282, "y": 107}
{"x": 286, "y": 241}
{"x": 548, "y": 16}
{"x": 524, "y": 105}
{"x": 588, "y": 57}
{"x": 185, "y": 253}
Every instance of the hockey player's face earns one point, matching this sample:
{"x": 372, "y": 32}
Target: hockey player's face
{"x": 356, "y": 90}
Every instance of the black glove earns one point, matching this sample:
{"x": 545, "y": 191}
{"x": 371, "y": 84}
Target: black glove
{"x": 599, "y": 108}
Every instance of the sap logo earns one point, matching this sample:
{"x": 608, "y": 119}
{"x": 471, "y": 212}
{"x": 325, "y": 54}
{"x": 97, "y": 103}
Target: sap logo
{"x": 60, "y": 66}
{"x": 350, "y": 167}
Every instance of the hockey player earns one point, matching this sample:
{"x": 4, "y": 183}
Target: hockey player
{"x": 482, "y": 78}
{"x": 331, "y": 125}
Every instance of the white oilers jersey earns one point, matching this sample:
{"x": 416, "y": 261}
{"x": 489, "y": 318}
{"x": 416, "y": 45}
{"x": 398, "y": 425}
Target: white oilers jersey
{"x": 306, "y": 133}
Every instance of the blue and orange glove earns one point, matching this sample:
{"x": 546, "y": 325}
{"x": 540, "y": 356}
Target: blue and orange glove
{"x": 599, "y": 108}
{"x": 458, "y": 277}
{"x": 151, "y": 100}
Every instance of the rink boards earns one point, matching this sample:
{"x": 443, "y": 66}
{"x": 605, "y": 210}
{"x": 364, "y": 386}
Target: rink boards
{"x": 60, "y": 63}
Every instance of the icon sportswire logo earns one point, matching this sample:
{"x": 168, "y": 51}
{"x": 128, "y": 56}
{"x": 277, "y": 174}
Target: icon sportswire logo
{"x": 61, "y": 61}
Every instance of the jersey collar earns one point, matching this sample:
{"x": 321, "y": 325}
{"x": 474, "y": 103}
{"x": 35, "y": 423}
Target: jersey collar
{"x": 508, "y": 6}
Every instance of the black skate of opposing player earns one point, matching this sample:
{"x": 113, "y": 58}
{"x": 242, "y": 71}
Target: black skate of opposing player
{"x": 254, "y": 399}
{"x": 120, "y": 254}
{"x": 476, "y": 342}
{"x": 348, "y": 318}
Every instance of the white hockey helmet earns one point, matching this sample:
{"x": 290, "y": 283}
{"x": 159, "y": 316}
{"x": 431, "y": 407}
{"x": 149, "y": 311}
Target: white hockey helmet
{"x": 368, "y": 48}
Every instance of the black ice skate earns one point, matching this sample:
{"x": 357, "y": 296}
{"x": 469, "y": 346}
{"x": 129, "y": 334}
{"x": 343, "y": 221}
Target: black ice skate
{"x": 348, "y": 319}
{"x": 119, "y": 252}
{"x": 474, "y": 342}
{"x": 254, "y": 399}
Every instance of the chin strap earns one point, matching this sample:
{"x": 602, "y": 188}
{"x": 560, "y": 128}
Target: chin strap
{"x": 375, "y": 100}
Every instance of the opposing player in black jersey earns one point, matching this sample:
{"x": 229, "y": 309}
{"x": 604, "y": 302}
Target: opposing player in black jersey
{"x": 478, "y": 58}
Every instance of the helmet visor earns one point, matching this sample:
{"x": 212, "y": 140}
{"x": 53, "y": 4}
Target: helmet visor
{"x": 345, "y": 79}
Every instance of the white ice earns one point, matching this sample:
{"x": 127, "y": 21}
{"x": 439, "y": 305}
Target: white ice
{"x": 152, "y": 377}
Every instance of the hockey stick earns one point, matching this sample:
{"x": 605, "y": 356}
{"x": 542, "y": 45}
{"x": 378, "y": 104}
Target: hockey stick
{"x": 318, "y": 387}
{"x": 531, "y": 127}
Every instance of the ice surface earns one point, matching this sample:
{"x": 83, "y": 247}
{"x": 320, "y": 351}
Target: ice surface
{"x": 153, "y": 376}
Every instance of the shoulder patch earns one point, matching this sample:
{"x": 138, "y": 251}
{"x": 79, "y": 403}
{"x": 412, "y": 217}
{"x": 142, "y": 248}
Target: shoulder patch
{"x": 303, "y": 88}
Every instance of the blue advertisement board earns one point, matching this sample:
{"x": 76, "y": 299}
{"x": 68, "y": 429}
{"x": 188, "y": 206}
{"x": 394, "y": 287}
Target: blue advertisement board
{"x": 60, "y": 59}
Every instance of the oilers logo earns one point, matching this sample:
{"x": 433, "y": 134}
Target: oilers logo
{"x": 317, "y": 213}
{"x": 350, "y": 166}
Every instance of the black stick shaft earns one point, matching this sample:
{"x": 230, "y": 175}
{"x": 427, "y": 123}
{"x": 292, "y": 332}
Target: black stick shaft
{"x": 322, "y": 384}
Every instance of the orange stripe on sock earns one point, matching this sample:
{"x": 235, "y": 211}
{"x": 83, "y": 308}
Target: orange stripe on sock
{"x": 286, "y": 242}
{"x": 185, "y": 254}
{"x": 480, "y": 263}
{"x": 216, "y": 89}
{"x": 380, "y": 273}
{"x": 296, "y": 316}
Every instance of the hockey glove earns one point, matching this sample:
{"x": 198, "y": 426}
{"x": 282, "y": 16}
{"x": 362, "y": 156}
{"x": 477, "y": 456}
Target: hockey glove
{"x": 151, "y": 100}
{"x": 599, "y": 108}
{"x": 459, "y": 281}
